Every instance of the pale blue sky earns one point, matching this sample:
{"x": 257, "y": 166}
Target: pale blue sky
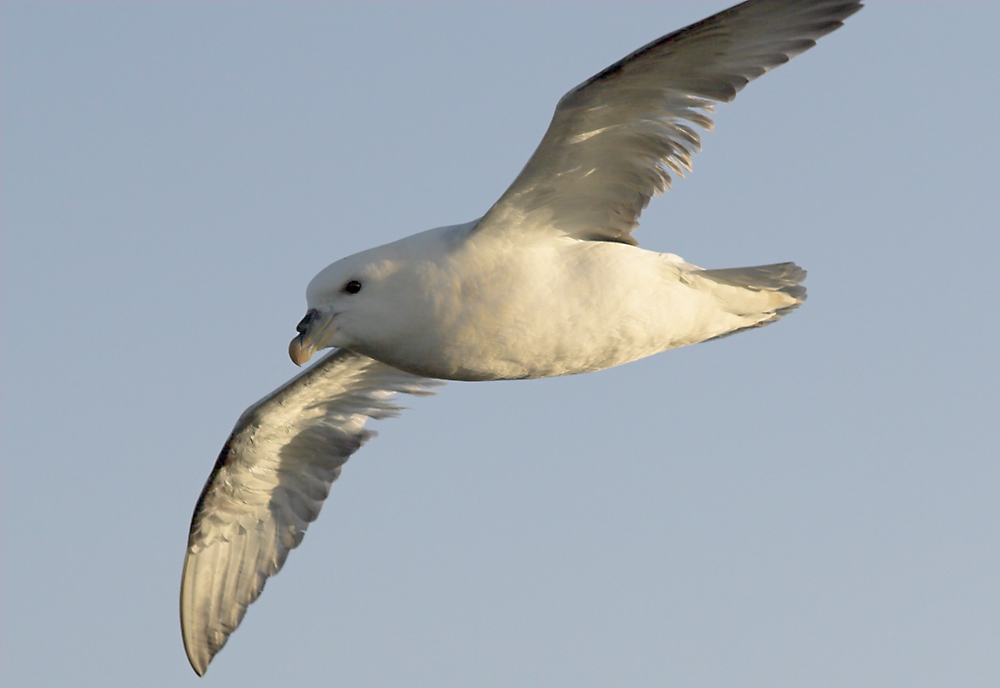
{"x": 812, "y": 504}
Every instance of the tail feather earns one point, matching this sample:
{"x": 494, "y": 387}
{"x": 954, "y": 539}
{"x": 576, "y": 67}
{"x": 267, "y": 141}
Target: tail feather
{"x": 782, "y": 280}
{"x": 784, "y": 277}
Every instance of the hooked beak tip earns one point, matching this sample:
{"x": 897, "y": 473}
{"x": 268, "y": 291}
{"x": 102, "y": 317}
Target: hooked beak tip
{"x": 299, "y": 352}
{"x": 315, "y": 331}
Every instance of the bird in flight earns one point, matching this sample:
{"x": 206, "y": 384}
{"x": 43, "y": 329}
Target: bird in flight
{"x": 548, "y": 282}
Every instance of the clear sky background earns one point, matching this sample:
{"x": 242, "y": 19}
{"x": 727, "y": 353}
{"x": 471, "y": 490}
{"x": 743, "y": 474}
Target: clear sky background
{"x": 811, "y": 504}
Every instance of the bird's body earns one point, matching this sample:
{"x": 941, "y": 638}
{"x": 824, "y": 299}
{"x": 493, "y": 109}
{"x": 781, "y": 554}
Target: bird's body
{"x": 549, "y": 281}
{"x": 543, "y": 305}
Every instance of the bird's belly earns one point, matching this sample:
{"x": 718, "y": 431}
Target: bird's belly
{"x": 612, "y": 304}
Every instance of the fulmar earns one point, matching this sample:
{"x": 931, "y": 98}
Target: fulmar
{"x": 548, "y": 282}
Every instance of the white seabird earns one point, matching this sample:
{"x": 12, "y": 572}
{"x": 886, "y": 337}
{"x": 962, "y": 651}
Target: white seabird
{"x": 548, "y": 282}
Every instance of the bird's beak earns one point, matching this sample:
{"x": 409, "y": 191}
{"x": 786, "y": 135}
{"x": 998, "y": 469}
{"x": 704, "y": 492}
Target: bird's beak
{"x": 314, "y": 331}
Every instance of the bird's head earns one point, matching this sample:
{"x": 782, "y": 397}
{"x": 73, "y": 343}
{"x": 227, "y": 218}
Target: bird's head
{"x": 353, "y": 303}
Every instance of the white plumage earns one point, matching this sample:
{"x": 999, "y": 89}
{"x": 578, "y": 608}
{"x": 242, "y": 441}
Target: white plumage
{"x": 548, "y": 282}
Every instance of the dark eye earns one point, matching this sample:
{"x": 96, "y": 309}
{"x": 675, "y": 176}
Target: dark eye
{"x": 352, "y": 287}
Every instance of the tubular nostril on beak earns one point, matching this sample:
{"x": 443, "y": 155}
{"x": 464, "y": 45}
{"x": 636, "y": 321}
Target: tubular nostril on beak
{"x": 303, "y": 325}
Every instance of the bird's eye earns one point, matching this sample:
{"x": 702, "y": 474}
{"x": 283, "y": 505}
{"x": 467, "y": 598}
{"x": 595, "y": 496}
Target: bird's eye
{"x": 352, "y": 287}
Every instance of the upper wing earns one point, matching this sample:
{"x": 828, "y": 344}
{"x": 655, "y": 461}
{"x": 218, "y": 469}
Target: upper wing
{"x": 269, "y": 484}
{"x": 615, "y": 139}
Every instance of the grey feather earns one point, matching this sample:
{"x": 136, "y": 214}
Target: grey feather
{"x": 269, "y": 484}
{"x": 615, "y": 139}
{"x": 784, "y": 278}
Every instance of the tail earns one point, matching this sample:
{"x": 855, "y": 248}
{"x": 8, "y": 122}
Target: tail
{"x": 762, "y": 294}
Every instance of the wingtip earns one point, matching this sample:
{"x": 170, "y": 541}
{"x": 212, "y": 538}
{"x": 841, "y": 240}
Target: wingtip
{"x": 198, "y": 653}
{"x": 199, "y": 660}
{"x": 198, "y": 669}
